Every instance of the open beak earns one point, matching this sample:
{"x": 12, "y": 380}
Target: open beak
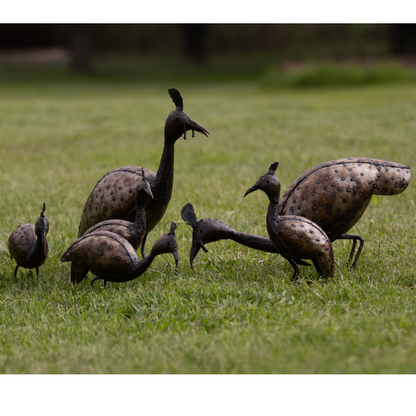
{"x": 252, "y": 189}
{"x": 191, "y": 125}
{"x": 175, "y": 255}
{"x": 194, "y": 251}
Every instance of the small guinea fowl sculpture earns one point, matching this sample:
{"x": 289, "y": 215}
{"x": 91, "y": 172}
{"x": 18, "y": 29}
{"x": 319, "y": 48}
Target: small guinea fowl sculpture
{"x": 113, "y": 197}
{"x": 113, "y": 259}
{"x": 293, "y": 236}
{"x": 335, "y": 194}
{"x": 209, "y": 230}
{"x": 28, "y": 245}
{"x": 133, "y": 232}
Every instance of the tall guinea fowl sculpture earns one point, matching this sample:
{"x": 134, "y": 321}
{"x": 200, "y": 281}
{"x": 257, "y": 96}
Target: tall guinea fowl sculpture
{"x": 209, "y": 230}
{"x": 335, "y": 194}
{"x": 133, "y": 232}
{"x": 28, "y": 245}
{"x": 292, "y": 236}
{"x": 113, "y": 259}
{"x": 113, "y": 197}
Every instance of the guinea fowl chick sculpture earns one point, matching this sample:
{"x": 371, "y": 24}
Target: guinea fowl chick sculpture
{"x": 336, "y": 194}
{"x": 133, "y": 232}
{"x": 28, "y": 245}
{"x": 293, "y": 236}
{"x": 113, "y": 259}
{"x": 209, "y": 230}
{"x": 113, "y": 197}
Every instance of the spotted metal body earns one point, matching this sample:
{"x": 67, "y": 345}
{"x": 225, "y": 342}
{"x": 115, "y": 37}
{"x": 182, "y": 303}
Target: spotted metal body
{"x": 293, "y": 236}
{"x": 28, "y": 245}
{"x": 113, "y": 197}
{"x": 209, "y": 230}
{"x": 112, "y": 258}
{"x": 336, "y": 194}
{"x": 133, "y": 232}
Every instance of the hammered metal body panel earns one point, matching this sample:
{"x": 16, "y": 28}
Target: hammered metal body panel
{"x": 125, "y": 229}
{"x": 112, "y": 258}
{"x": 133, "y": 232}
{"x": 336, "y": 194}
{"x": 296, "y": 237}
{"x": 21, "y": 243}
{"x": 114, "y": 197}
{"x": 104, "y": 253}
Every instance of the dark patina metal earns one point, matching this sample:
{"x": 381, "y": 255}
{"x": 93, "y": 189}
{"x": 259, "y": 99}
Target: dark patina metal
{"x": 112, "y": 258}
{"x": 209, "y": 230}
{"x": 133, "y": 232}
{"x": 114, "y": 195}
{"x": 336, "y": 194}
{"x": 28, "y": 245}
{"x": 294, "y": 237}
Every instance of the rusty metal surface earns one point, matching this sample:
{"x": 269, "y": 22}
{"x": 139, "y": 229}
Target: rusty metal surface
{"x": 133, "y": 232}
{"x": 293, "y": 236}
{"x": 27, "y": 244}
{"x": 113, "y": 197}
{"x": 335, "y": 194}
{"x": 112, "y": 258}
{"x": 22, "y": 242}
{"x": 208, "y": 230}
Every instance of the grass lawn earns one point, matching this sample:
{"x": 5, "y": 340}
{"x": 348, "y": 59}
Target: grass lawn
{"x": 237, "y": 311}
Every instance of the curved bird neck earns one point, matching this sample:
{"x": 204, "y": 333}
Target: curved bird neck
{"x": 139, "y": 268}
{"x": 272, "y": 210}
{"x": 163, "y": 185}
{"x": 40, "y": 248}
{"x": 253, "y": 241}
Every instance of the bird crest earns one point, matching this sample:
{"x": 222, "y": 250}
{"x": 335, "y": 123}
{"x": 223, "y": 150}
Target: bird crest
{"x": 172, "y": 228}
{"x": 272, "y": 168}
{"x": 176, "y": 98}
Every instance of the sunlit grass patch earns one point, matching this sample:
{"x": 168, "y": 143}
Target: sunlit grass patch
{"x": 237, "y": 311}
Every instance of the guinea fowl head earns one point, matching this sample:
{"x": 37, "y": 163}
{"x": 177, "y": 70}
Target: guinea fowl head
{"x": 178, "y": 122}
{"x": 268, "y": 183}
{"x": 42, "y": 224}
{"x": 167, "y": 244}
{"x": 188, "y": 215}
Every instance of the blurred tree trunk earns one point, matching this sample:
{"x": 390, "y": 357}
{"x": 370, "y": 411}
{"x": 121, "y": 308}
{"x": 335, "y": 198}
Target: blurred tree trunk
{"x": 80, "y": 45}
{"x": 403, "y": 39}
{"x": 195, "y": 42}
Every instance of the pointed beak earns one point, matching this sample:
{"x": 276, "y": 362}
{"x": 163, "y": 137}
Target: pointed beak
{"x": 176, "y": 257}
{"x": 191, "y": 125}
{"x": 194, "y": 251}
{"x": 252, "y": 189}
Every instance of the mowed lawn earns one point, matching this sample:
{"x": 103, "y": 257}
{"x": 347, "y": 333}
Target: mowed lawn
{"x": 237, "y": 311}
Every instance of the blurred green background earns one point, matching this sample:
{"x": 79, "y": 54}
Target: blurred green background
{"x": 274, "y": 54}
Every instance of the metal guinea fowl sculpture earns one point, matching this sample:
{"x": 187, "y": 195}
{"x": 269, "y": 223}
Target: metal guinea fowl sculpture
{"x": 28, "y": 245}
{"x": 293, "y": 236}
{"x": 113, "y": 197}
{"x": 113, "y": 259}
{"x": 133, "y": 232}
{"x": 208, "y": 230}
{"x": 335, "y": 194}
